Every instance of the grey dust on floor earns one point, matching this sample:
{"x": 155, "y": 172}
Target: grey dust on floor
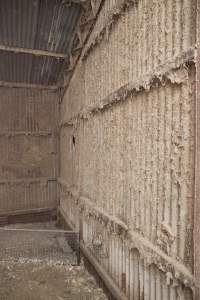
{"x": 40, "y": 265}
{"x": 38, "y": 241}
{"x": 46, "y": 281}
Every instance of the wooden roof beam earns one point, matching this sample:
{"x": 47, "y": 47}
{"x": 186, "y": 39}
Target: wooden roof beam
{"x": 33, "y": 52}
{"x": 81, "y": 2}
{"x": 11, "y": 84}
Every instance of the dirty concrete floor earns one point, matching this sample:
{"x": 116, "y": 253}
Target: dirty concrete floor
{"x": 35, "y": 266}
{"x": 37, "y": 240}
{"x": 46, "y": 281}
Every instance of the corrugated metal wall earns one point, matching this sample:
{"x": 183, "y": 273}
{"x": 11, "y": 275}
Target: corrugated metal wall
{"x": 28, "y": 149}
{"x": 127, "y": 146}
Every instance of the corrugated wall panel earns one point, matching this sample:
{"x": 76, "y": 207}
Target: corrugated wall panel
{"x": 144, "y": 280}
{"x": 74, "y": 99}
{"x": 146, "y": 36}
{"x": 22, "y": 196}
{"x": 66, "y": 144}
{"x": 148, "y": 141}
{"x": 28, "y": 110}
{"x": 134, "y": 273}
{"x": 27, "y": 157}
{"x": 127, "y": 146}
{"x": 28, "y": 149}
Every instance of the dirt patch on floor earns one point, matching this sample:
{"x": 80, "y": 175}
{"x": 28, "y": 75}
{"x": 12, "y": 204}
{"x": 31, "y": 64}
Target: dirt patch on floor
{"x": 46, "y": 281}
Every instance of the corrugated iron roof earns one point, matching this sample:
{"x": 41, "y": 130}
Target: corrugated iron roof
{"x": 36, "y": 24}
{"x": 27, "y": 68}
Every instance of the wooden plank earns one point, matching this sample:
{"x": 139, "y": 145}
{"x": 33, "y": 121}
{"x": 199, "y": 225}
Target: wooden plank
{"x": 196, "y": 235}
{"x": 26, "y": 133}
{"x": 27, "y": 180}
{"x": 25, "y": 85}
{"x": 83, "y": 3}
{"x": 35, "y": 52}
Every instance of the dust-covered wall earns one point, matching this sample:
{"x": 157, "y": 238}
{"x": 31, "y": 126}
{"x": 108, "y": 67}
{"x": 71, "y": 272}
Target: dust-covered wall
{"x": 127, "y": 146}
{"x": 28, "y": 149}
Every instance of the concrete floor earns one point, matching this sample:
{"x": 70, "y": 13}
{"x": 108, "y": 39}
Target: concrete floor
{"x": 37, "y": 281}
{"x": 36, "y": 266}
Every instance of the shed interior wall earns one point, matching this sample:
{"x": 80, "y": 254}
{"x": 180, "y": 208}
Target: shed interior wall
{"x": 127, "y": 146}
{"x": 117, "y": 153}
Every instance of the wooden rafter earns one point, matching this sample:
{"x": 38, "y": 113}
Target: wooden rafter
{"x": 81, "y": 2}
{"x": 75, "y": 1}
{"x": 11, "y": 84}
{"x": 33, "y": 52}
